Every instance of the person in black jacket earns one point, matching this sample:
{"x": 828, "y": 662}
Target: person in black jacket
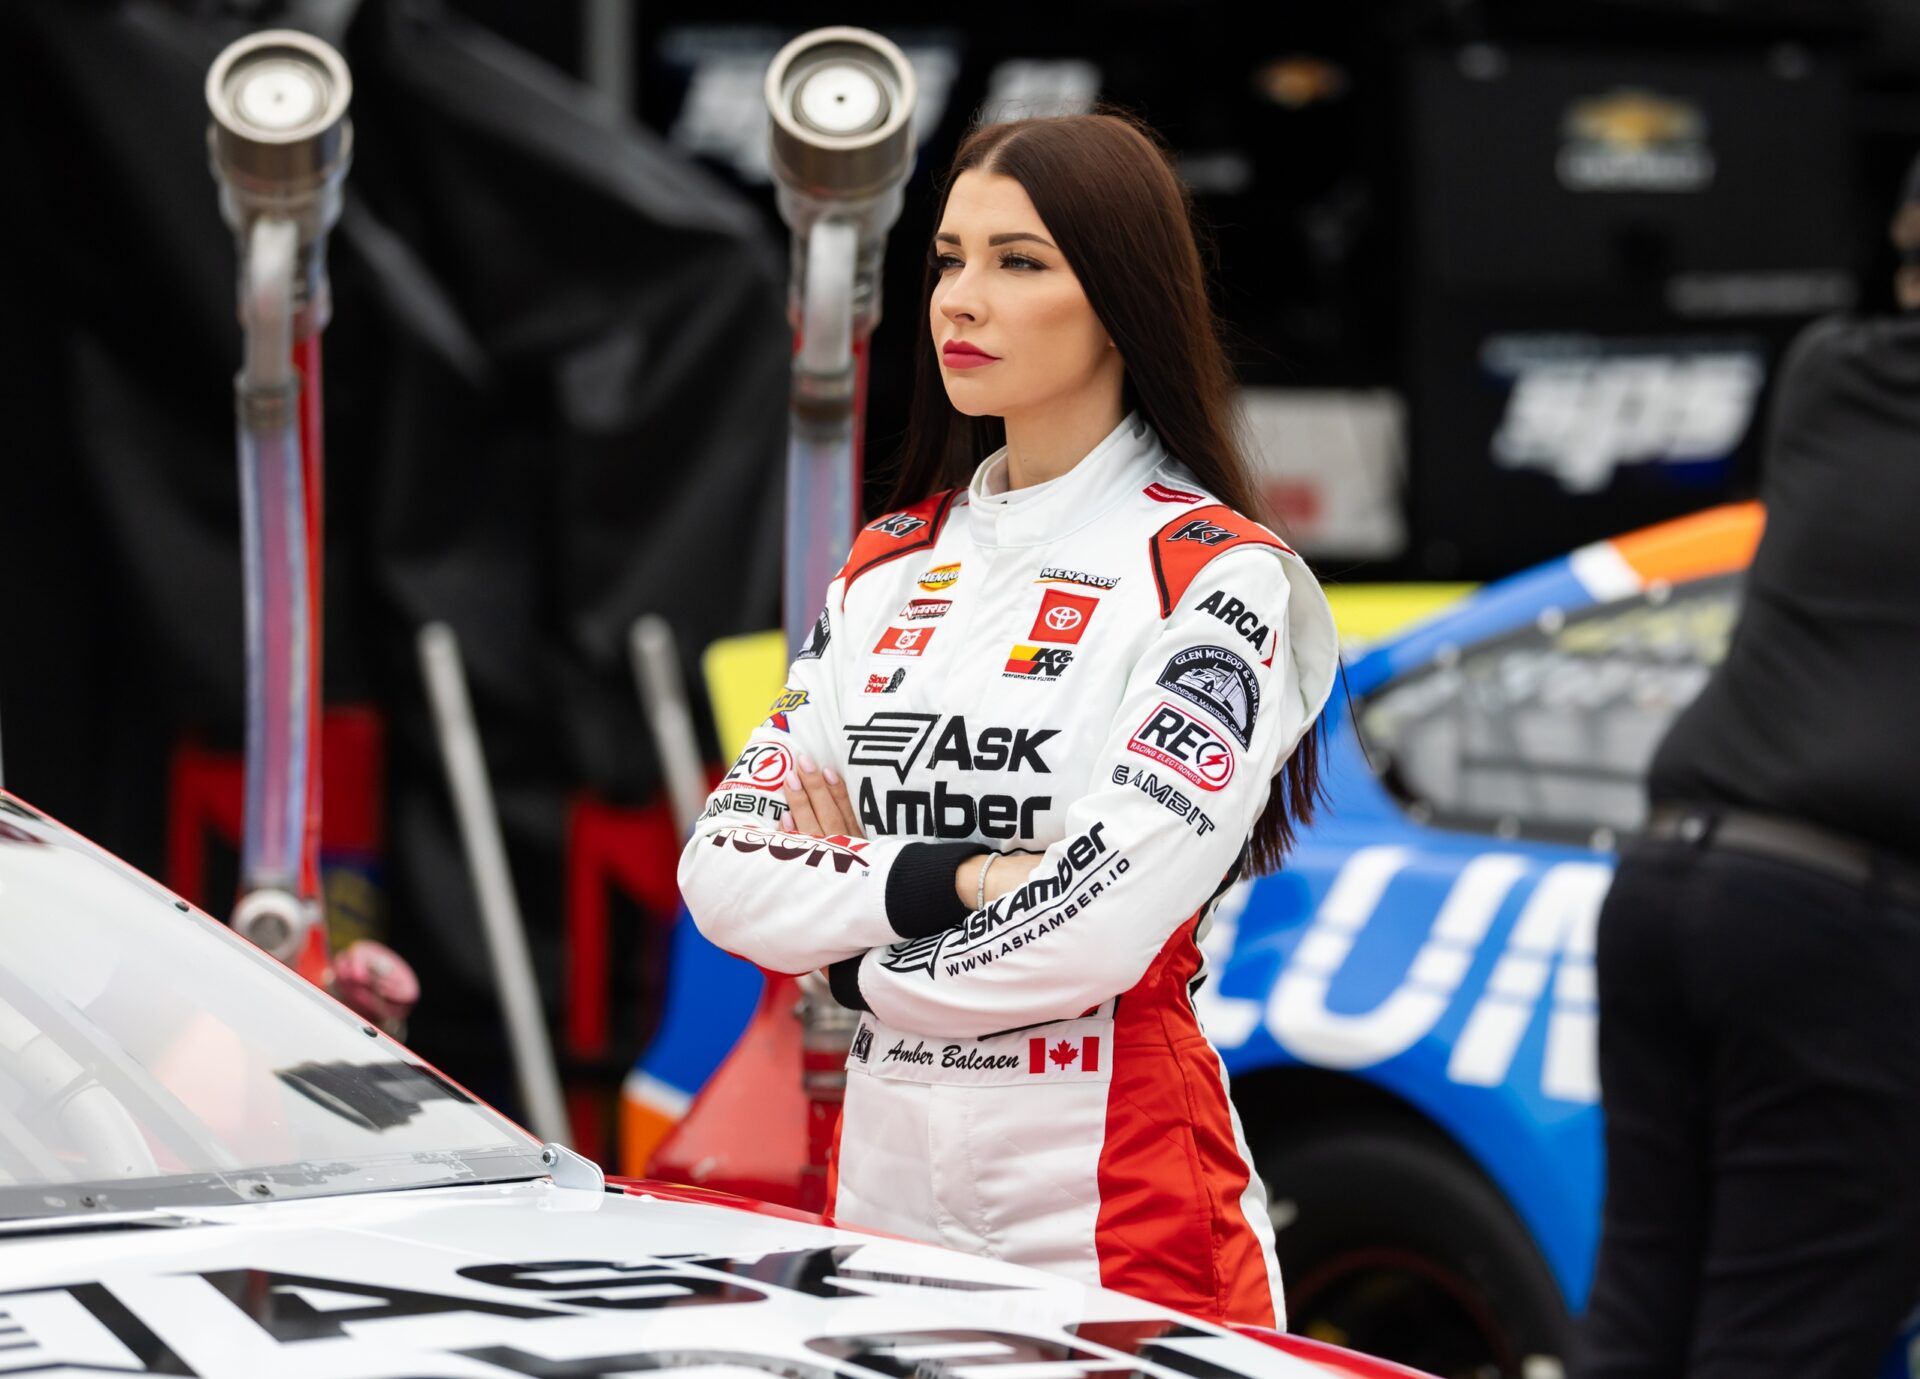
{"x": 1759, "y": 952}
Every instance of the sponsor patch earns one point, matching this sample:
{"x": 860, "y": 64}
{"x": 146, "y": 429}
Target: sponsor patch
{"x": 1205, "y": 532}
{"x": 1219, "y": 682}
{"x": 895, "y": 741}
{"x": 924, "y": 610}
{"x": 1054, "y": 574}
{"x": 1038, "y": 662}
{"x": 903, "y": 641}
{"x": 745, "y": 802}
{"x": 862, "y": 1048}
{"x": 1020, "y": 918}
{"x": 897, "y": 524}
{"x": 1163, "y": 793}
{"x": 1063, "y": 617}
{"x": 836, "y": 851}
{"x": 1238, "y": 616}
{"x": 1174, "y": 737}
{"x": 940, "y": 577}
{"x": 762, "y": 766}
{"x": 1160, "y": 493}
{"x": 816, "y": 643}
{"x": 886, "y": 684}
{"x": 785, "y": 703}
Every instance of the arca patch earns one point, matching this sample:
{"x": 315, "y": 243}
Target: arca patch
{"x": 1219, "y": 682}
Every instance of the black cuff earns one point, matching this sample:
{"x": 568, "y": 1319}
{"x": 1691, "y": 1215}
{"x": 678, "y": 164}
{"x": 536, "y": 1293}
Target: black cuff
{"x": 843, "y": 979}
{"x": 920, "y": 895}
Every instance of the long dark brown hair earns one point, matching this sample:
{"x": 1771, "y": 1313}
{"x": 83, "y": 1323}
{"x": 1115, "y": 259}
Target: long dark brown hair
{"x": 1105, "y": 186}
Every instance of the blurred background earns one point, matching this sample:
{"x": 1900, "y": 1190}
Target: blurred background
{"x": 1503, "y": 278}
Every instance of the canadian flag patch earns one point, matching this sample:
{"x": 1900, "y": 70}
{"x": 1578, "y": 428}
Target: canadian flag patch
{"x": 1063, "y": 1055}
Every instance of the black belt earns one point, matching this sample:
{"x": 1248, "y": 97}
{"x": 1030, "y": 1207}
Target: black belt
{"x": 1787, "y": 840}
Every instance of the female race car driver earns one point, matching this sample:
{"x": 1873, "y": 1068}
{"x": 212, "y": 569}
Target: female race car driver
{"x": 1043, "y": 721}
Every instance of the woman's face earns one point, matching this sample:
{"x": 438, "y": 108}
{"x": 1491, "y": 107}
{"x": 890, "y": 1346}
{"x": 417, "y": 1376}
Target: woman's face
{"x": 1017, "y": 300}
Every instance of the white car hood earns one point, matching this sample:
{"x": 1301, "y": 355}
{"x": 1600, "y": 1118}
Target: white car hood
{"x": 534, "y": 1279}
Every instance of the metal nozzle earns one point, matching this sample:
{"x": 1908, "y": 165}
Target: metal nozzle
{"x": 842, "y": 101}
{"x": 280, "y": 139}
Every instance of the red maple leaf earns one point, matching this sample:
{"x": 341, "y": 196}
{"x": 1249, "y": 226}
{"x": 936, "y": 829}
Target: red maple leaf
{"x": 1063, "y": 1053}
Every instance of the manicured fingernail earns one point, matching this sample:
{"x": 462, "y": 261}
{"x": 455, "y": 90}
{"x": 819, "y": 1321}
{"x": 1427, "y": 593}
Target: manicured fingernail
{"x": 792, "y": 782}
{"x": 806, "y": 764}
{"x": 832, "y": 778}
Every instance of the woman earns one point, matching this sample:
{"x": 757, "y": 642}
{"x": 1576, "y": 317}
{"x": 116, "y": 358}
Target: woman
{"x": 1032, "y": 738}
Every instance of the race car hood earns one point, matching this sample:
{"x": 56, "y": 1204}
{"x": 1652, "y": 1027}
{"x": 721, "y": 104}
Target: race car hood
{"x": 531, "y": 1278}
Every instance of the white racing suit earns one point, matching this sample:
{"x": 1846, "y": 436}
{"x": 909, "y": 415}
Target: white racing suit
{"x": 1107, "y": 668}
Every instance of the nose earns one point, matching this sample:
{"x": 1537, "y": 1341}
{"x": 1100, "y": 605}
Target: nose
{"x": 959, "y": 299}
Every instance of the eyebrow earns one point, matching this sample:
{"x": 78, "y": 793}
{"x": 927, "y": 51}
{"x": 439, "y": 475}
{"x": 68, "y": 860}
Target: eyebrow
{"x": 996, "y": 239}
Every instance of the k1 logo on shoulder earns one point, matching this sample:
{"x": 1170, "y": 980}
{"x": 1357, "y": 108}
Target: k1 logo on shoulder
{"x": 1203, "y": 531}
{"x": 1037, "y": 662}
{"x": 903, "y": 641}
{"x": 1219, "y": 682}
{"x": 897, "y": 524}
{"x": 1176, "y": 738}
{"x": 763, "y": 766}
{"x": 816, "y": 643}
{"x": 1063, "y": 617}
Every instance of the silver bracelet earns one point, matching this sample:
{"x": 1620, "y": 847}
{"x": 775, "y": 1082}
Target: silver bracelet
{"x": 980, "y": 895}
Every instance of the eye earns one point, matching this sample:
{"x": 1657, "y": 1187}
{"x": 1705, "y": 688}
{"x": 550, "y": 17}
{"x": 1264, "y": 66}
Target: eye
{"x": 1020, "y": 261}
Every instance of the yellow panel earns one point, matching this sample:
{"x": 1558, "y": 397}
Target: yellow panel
{"x": 1368, "y": 612}
{"x": 743, "y": 675}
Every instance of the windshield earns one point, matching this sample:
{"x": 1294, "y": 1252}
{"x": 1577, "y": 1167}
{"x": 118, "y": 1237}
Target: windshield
{"x": 151, "y": 1058}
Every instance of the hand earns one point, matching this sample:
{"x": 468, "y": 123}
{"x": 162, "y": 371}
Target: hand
{"x": 1010, "y": 872}
{"x": 376, "y": 983}
{"x": 817, "y": 803}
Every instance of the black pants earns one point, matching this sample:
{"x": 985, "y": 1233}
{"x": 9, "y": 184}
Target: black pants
{"x": 1760, "y": 1075}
